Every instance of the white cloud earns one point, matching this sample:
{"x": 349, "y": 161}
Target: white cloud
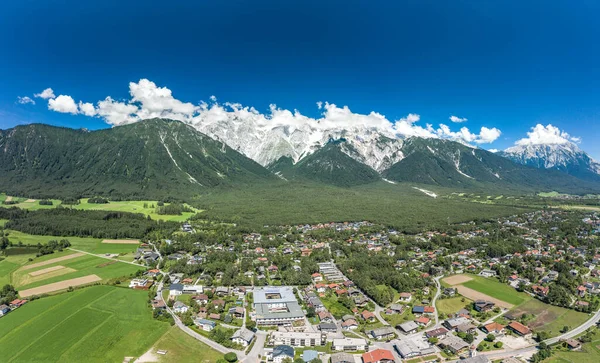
{"x": 457, "y": 119}
{"x": 45, "y": 94}
{"x": 546, "y": 135}
{"x": 149, "y": 100}
{"x": 493, "y": 150}
{"x": 87, "y": 109}
{"x": 64, "y": 104}
{"x": 25, "y": 100}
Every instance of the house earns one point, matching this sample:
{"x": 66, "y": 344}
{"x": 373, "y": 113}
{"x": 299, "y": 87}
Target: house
{"x": 342, "y": 358}
{"x": 422, "y": 320}
{"x": 466, "y": 328}
{"x": 454, "y": 344}
{"x": 429, "y": 310}
{"x": 518, "y": 328}
{"x": 200, "y": 299}
{"x": 158, "y": 304}
{"x": 317, "y": 277}
{"x": 242, "y": 337}
{"x": 409, "y": 327}
{"x": 192, "y": 289}
{"x": 581, "y": 290}
{"x": 175, "y": 289}
{"x": 405, "y": 296}
{"x": 451, "y": 324}
{"x": 140, "y": 284}
{"x": 449, "y": 291}
{"x": 487, "y": 273}
{"x": 573, "y": 344}
{"x": 396, "y": 308}
{"x": 349, "y": 324}
{"x": 386, "y": 332}
{"x": 206, "y": 325}
{"x": 281, "y": 353}
{"x": 368, "y": 316}
{"x": 237, "y": 311}
{"x": 327, "y": 327}
{"x": 222, "y": 291}
{"x": 378, "y": 356}
{"x": 439, "y": 333}
{"x": 483, "y": 306}
{"x": 214, "y": 316}
{"x": 325, "y": 317}
{"x": 4, "y": 309}
{"x": 218, "y": 303}
{"x": 541, "y": 291}
{"x": 309, "y": 355}
{"x": 17, "y": 303}
{"x": 493, "y": 328}
{"x": 417, "y": 309}
{"x": 180, "y": 308}
{"x": 349, "y": 344}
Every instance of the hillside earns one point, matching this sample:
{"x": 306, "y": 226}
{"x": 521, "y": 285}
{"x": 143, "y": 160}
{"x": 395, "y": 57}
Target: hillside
{"x": 451, "y": 164}
{"x": 328, "y": 165}
{"x": 152, "y": 159}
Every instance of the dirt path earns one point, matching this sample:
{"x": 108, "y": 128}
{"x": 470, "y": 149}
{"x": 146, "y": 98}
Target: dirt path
{"x": 457, "y": 279}
{"x": 476, "y": 295}
{"x": 8, "y": 199}
{"x": 62, "y": 285}
{"x": 122, "y": 241}
{"x": 50, "y": 262}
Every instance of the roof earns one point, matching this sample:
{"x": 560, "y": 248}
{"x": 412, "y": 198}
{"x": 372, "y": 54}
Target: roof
{"x": 244, "y": 334}
{"x": 177, "y": 287}
{"x": 408, "y": 326}
{"x": 349, "y": 341}
{"x": 436, "y": 332}
{"x": 476, "y": 359}
{"x": 265, "y": 295}
{"x": 519, "y": 328}
{"x": 418, "y": 309}
{"x": 283, "y": 350}
{"x": 494, "y": 327}
{"x": 386, "y": 330}
{"x": 377, "y": 355}
{"x": 206, "y": 322}
{"x": 342, "y": 358}
{"x": 309, "y": 355}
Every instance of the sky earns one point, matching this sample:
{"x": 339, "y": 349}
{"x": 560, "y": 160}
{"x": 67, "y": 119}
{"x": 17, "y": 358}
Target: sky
{"x": 492, "y": 73}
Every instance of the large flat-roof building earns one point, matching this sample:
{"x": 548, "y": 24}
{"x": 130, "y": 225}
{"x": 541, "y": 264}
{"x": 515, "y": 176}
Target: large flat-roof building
{"x": 275, "y": 305}
{"x": 299, "y": 339}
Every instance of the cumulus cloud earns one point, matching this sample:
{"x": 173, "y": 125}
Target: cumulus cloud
{"x": 48, "y": 93}
{"x": 147, "y": 100}
{"x": 64, "y": 104}
{"x": 547, "y": 135}
{"x": 493, "y": 150}
{"x": 25, "y": 100}
{"x": 457, "y": 119}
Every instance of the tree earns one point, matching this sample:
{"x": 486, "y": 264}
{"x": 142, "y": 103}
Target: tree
{"x": 310, "y": 312}
{"x": 231, "y": 357}
{"x": 469, "y": 338}
{"x": 498, "y": 345}
{"x": 490, "y": 337}
{"x": 564, "y": 329}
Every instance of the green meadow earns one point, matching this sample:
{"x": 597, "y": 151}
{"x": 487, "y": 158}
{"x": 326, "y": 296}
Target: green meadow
{"x": 496, "y": 289}
{"x": 95, "y": 324}
{"x": 82, "y": 266}
{"x": 93, "y": 245}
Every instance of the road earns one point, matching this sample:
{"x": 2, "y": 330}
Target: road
{"x": 435, "y": 297}
{"x": 257, "y": 348}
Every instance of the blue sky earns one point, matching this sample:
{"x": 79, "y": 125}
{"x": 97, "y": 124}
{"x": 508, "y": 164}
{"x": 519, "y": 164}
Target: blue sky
{"x": 503, "y": 65}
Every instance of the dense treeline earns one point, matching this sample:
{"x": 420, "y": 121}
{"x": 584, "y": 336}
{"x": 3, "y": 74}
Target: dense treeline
{"x": 98, "y": 200}
{"x": 173, "y": 209}
{"x": 92, "y": 223}
{"x": 7, "y": 294}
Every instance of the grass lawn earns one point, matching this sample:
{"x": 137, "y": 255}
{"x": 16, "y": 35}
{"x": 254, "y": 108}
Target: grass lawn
{"x": 82, "y": 266}
{"x": 96, "y": 324}
{"x": 93, "y": 245}
{"x": 335, "y": 308}
{"x": 136, "y": 206}
{"x": 549, "y": 318}
{"x": 452, "y": 305}
{"x": 395, "y": 319}
{"x": 590, "y": 353}
{"x": 181, "y": 347}
{"x": 496, "y": 289}
{"x": 31, "y": 205}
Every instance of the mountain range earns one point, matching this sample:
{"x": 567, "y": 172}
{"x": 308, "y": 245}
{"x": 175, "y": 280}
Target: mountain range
{"x": 158, "y": 158}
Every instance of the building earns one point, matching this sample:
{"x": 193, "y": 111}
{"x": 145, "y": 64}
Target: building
{"x": 483, "y": 306}
{"x": 175, "y": 289}
{"x": 405, "y": 296}
{"x": 309, "y": 355}
{"x": 478, "y": 359}
{"x": 573, "y": 344}
{"x": 518, "y": 328}
{"x": 158, "y": 304}
{"x": 140, "y": 284}
{"x": 192, "y": 289}
{"x": 180, "y": 308}
{"x": 349, "y": 344}
{"x": 378, "y": 356}
{"x": 206, "y": 325}
{"x": 243, "y": 337}
{"x": 281, "y": 353}
{"x": 299, "y": 339}
{"x": 327, "y": 327}
{"x": 451, "y": 324}
{"x": 276, "y": 306}
{"x": 4, "y": 309}
{"x": 385, "y": 332}
{"x": 342, "y": 358}
{"x": 493, "y": 328}
{"x": 454, "y": 344}
{"x": 487, "y": 273}
{"x": 439, "y": 333}
{"x": 350, "y": 324}
{"x": 409, "y": 327}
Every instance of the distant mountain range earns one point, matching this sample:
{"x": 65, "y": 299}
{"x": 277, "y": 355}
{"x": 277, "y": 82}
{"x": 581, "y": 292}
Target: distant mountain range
{"x": 158, "y": 158}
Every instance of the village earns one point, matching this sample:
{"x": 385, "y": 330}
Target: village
{"x": 477, "y": 304}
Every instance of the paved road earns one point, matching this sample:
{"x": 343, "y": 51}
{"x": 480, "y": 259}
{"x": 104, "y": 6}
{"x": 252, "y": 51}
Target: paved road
{"x": 257, "y": 349}
{"x": 435, "y": 297}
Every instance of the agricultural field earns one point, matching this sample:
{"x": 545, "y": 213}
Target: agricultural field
{"x": 452, "y": 305}
{"x": 549, "y": 318}
{"x": 136, "y": 206}
{"x": 95, "y": 324}
{"x": 477, "y": 287}
{"x": 67, "y": 266}
{"x": 181, "y": 347}
{"x": 93, "y": 245}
